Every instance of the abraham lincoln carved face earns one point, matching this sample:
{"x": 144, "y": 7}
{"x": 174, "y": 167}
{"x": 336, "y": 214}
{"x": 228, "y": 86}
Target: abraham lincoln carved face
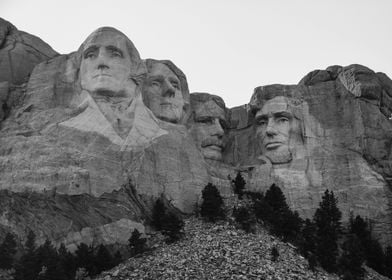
{"x": 278, "y": 129}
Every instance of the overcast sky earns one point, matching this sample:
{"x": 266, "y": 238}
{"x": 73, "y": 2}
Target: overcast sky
{"x": 225, "y": 47}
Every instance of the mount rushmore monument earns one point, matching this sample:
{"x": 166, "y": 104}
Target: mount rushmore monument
{"x": 89, "y": 140}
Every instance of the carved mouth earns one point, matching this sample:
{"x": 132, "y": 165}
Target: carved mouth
{"x": 273, "y": 145}
{"x": 101, "y": 75}
{"x": 218, "y": 147}
{"x": 214, "y": 147}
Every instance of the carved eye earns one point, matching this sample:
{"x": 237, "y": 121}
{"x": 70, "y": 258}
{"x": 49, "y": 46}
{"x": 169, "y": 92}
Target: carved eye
{"x": 175, "y": 85}
{"x": 282, "y": 120}
{"x": 205, "y": 120}
{"x": 261, "y": 121}
{"x": 90, "y": 54}
{"x": 115, "y": 53}
{"x": 155, "y": 83}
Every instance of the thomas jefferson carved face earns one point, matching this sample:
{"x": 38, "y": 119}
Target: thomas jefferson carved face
{"x": 106, "y": 64}
{"x": 207, "y": 125}
{"x": 162, "y": 93}
{"x": 277, "y": 129}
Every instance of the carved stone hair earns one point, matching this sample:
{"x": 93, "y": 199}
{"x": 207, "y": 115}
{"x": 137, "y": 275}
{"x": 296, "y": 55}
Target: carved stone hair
{"x": 199, "y": 98}
{"x": 264, "y": 93}
{"x": 202, "y": 97}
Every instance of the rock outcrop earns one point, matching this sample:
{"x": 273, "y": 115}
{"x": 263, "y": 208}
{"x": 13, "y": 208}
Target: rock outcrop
{"x": 82, "y": 158}
{"x": 62, "y": 145}
{"x": 343, "y": 115}
{"x": 20, "y": 52}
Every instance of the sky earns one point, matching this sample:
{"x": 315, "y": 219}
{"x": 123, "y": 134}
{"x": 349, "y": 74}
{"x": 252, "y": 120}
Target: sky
{"x": 225, "y": 47}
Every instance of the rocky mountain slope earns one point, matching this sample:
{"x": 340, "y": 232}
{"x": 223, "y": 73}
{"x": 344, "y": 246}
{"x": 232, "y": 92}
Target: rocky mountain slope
{"x": 220, "y": 251}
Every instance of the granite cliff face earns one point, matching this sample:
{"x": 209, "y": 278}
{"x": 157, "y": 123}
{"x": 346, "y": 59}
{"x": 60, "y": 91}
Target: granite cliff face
{"x": 20, "y": 52}
{"x": 344, "y": 145}
{"x": 96, "y": 136}
{"x": 65, "y": 147}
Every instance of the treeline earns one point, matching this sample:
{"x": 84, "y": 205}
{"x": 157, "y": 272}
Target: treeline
{"x": 323, "y": 241}
{"x": 45, "y": 262}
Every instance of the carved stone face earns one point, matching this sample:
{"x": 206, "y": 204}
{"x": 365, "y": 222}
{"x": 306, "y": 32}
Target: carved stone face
{"x": 162, "y": 93}
{"x": 207, "y": 129}
{"x": 105, "y": 65}
{"x": 276, "y": 128}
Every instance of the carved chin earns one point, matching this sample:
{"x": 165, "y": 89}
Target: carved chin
{"x": 279, "y": 156}
{"x": 169, "y": 116}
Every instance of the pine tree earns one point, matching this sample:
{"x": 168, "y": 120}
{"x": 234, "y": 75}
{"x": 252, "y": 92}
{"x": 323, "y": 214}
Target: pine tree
{"x": 49, "y": 262}
{"x": 103, "y": 259}
{"x": 117, "y": 259}
{"x": 244, "y": 216}
{"x": 375, "y": 257}
{"x": 66, "y": 262}
{"x": 388, "y": 261}
{"x": 308, "y": 239}
{"x": 136, "y": 243}
{"x": 27, "y": 267}
{"x": 30, "y": 242}
{"x": 85, "y": 258}
{"x": 284, "y": 222}
{"x": 276, "y": 199}
{"x": 290, "y": 225}
{"x": 172, "y": 227}
{"x": 7, "y": 251}
{"x": 239, "y": 185}
{"x": 352, "y": 258}
{"x": 212, "y": 206}
{"x": 274, "y": 254}
{"x": 328, "y": 227}
{"x": 261, "y": 208}
{"x": 158, "y": 213}
{"x": 374, "y": 254}
{"x": 167, "y": 222}
{"x": 360, "y": 228}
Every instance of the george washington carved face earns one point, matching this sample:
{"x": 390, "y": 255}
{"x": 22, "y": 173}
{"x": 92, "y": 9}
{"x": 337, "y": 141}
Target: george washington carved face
{"x": 107, "y": 58}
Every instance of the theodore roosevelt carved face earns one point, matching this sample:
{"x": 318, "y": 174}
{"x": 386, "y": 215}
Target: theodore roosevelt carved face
{"x": 207, "y": 124}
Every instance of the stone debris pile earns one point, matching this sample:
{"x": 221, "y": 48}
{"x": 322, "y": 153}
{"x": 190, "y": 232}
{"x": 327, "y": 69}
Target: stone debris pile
{"x": 217, "y": 251}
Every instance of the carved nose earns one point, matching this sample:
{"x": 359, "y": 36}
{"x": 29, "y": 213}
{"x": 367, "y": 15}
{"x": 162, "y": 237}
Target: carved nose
{"x": 168, "y": 90}
{"x": 102, "y": 61}
{"x": 102, "y": 66}
{"x": 270, "y": 130}
{"x": 218, "y": 129}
